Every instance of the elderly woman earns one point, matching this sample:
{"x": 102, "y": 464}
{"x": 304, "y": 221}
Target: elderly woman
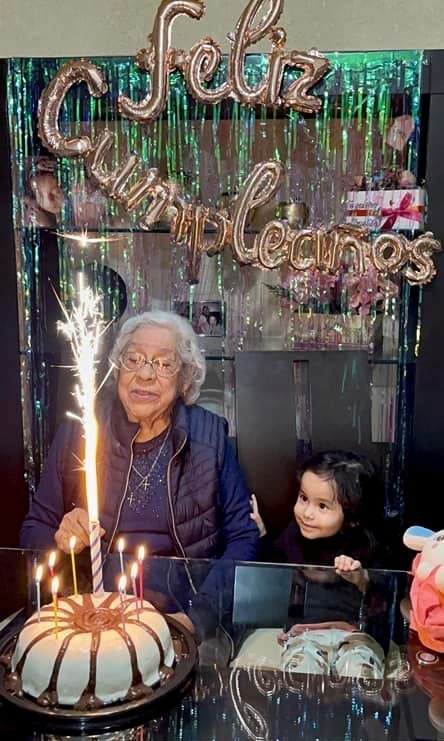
{"x": 168, "y": 477}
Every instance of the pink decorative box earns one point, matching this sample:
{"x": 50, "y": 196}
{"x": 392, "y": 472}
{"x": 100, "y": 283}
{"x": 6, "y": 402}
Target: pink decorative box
{"x": 382, "y": 210}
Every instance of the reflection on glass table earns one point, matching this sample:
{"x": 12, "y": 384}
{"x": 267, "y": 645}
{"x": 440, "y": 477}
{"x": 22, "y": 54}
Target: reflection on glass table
{"x": 284, "y": 652}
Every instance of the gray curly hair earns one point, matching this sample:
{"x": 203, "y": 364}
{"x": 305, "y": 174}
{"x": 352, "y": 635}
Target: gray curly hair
{"x": 192, "y": 374}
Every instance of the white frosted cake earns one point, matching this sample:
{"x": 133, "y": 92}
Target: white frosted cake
{"x": 94, "y": 659}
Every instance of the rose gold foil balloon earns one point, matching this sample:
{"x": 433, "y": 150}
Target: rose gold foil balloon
{"x": 314, "y": 67}
{"x": 224, "y": 232}
{"x": 112, "y": 182}
{"x": 122, "y": 175}
{"x": 95, "y": 159}
{"x": 200, "y": 65}
{"x": 271, "y": 93}
{"x": 396, "y": 245}
{"x": 334, "y": 254}
{"x": 358, "y": 246}
{"x": 348, "y": 236}
{"x": 322, "y": 249}
{"x": 298, "y": 241}
{"x": 420, "y": 254}
{"x": 194, "y": 240}
{"x": 52, "y": 99}
{"x": 260, "y": 185}
{"x": 272, "y": 245}
{"x": 157, "y": 207}
{"x": 159, "y": 60}
{"x": 141, "y": 189}
{"x": 182, "y": 220}
{"x": 246, "y": 34}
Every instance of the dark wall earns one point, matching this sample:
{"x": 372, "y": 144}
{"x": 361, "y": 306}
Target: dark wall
{"x": 268, "y": 404}
{"x": 425, "y": 487}
{"x": 13, "y": 491}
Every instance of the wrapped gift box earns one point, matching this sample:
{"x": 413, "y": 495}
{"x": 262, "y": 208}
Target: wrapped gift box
{"x": 382, "y": 210}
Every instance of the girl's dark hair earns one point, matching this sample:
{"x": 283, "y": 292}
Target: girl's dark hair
{"x": 356, "y": 483}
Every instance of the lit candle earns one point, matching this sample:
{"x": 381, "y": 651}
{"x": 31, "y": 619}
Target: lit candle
{"x": 134, "y": 569}
{"x": 140, "y": 557}
{"x": 38, "y": 579}
{"x": 51, "y": 563}
{"x": 72, "y": 545}
{"x": 122, "y": 592}
{"x": 121, "y": 548}
{"x": 54, "y": 590}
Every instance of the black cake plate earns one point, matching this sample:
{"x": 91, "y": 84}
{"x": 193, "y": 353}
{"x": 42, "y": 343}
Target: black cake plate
{"x": 116, "y": 714}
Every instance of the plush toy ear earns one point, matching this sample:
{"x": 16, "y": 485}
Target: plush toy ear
{"x": 415, "y": 537}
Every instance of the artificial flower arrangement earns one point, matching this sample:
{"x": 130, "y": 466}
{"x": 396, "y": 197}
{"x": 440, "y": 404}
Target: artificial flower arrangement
{"x": 335, "y": 310}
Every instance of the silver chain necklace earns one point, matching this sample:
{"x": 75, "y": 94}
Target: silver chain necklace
{"x": 145, "y": 479}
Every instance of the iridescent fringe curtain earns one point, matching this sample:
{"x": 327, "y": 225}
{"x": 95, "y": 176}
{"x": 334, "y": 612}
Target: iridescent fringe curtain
{"x": 208, "y": 151}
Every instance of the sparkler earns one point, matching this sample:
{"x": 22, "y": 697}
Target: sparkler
{"x": 84, "y": 240}
{"x": 84, "y": 328}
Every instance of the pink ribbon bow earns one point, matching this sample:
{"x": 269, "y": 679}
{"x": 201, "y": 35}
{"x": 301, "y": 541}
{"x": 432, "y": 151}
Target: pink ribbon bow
{"x": 405, "y": 210}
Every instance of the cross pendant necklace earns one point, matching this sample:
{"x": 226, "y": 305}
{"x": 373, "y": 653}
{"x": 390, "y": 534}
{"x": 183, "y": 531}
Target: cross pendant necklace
{"x": 145, "y": 479}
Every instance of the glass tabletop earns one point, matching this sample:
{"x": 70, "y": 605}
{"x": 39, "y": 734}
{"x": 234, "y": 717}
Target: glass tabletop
{"x": 284, "y": 652}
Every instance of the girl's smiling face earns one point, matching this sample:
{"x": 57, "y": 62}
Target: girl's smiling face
{"x": 317, "y": 510}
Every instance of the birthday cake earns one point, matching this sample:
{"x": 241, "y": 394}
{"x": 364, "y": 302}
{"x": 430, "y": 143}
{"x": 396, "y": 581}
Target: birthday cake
{"x": 99, "y": 651}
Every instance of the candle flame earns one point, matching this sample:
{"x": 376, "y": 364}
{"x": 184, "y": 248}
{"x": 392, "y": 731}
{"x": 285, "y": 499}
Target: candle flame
{"x": 141, "y": 553}
{"x": 52, "y": 559}
{"x": 122, "y": 583}
{"x": 39, "y": 574}
{"x": 72, "y": 542}
{"x": 55, "y": 585}
{"x": 121, "y": 545}
{"x": 134, "y": 570}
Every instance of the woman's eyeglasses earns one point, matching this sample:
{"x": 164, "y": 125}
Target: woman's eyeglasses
{"x": 163, "y": 367}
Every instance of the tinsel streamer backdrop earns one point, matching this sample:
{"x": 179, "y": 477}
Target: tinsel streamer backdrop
{"x": 209, "y": 150}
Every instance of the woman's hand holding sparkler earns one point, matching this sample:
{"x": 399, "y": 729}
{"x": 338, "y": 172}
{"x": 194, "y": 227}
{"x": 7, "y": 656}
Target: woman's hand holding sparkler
{"x": 75, "y": 523}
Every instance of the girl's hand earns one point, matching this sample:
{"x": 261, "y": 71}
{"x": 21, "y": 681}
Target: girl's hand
{"x": 255, "y": 516}
{"x": 346, "y": 564}
{"x": 75, "y": 523}
{"x": 351, "y": 570}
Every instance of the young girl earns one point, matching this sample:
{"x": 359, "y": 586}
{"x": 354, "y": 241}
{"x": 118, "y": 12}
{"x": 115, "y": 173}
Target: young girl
{"x": 335, "y": 517}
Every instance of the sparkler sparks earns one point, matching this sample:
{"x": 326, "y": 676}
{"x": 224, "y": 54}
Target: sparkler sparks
{"x": 84, "y": 327}
{"x": 84, "y": 240}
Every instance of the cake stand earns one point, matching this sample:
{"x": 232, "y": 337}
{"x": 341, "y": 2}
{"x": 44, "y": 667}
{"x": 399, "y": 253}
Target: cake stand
{"x": 110, "y": 716}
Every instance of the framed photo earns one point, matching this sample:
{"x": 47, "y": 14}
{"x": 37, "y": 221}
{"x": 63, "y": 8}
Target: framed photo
{"x": 207, "y": 317}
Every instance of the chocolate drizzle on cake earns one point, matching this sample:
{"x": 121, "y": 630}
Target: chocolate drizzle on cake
{"x": 88, "y": 698}
{"x": 49, "y": 696}
{"x": 75, "y": 619}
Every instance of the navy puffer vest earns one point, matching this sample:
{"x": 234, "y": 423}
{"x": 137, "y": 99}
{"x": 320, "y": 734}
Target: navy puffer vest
{"x": 199, "y": 439}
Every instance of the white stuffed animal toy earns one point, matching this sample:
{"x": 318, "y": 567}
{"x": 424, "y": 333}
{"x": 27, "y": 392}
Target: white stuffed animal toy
{"x": 427, "y": 590}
